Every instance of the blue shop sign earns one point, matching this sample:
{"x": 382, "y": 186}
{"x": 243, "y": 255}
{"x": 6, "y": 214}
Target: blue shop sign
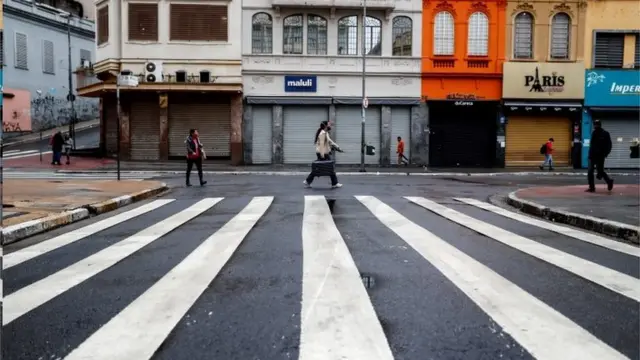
{"x": 612, "y": 88}
{"x": 300, "y": 83}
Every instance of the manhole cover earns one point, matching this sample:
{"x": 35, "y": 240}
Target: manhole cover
{"x": 368, "y": 281}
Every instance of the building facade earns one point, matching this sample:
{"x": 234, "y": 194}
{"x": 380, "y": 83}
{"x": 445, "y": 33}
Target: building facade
{"x": 543, "y": 86}
{"x": 302, "y": 64}
{"x": 187, "y": 58}
{"x": 462, "y": 55}
{"x": 612, "y": 78}
{"x": 36, "y": 66}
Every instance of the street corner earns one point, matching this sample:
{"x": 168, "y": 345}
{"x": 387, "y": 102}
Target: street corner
{"x": 140, "y": 190}
{"x": 36, "y": 161}
{"x": 578, "y": 192}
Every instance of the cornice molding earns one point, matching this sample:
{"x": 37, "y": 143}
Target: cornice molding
{"x": 8, "y": 9}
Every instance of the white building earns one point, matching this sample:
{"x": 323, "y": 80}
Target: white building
{"x": 187, "y": 56}
{"x": 302, "y": 64}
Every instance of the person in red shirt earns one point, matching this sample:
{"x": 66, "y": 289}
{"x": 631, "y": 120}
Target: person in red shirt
{"x": 195, "y": 154}
{"x": 548, "y": 155}
{"x": 400, "y": 152}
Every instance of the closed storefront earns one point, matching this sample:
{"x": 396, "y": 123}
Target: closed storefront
{"x": 300, "y": 125}
{"x": 526, "y": 134}
{"x": 210, "y": 115}
{"x": 613, "y": 96}
{"x": 109, "y": 107}
{"x": 261, "y": 137}
{"x": 349, "y": 133}
{"x": 400, "y": 126}
{"x": 144, "y": 125}
{"x": 462, "y": 135}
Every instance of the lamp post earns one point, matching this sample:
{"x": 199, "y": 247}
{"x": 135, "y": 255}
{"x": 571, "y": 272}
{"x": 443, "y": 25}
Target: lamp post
{"x": 364, "y": 95}
{"x": 71, "y": 98}
{"x": 124, "y": 79}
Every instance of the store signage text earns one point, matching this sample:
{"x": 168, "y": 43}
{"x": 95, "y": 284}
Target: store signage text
{"x": 617, "y": 89}
{"x": 463, "y": 103}
{"x": 296, "y": 83}
{"x": 545, "y": 83}
{"x": 463, "y": 99}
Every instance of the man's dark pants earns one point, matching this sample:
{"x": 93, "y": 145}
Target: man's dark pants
{"x": 198, "y": 163}
{"x": 596, "y": 164}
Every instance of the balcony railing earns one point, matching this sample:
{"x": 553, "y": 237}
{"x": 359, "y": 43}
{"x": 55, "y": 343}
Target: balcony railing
{"x": 86, "y": 77}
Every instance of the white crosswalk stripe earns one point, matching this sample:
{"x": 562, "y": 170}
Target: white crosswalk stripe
{"x": 337, "y": 319}
{"x": 18, "y": 154}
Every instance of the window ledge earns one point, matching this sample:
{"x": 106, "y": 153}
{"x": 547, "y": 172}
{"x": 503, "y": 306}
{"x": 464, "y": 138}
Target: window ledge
{"x": 198, "y": 42}
{"x": 523, "y": 60}
{"x": 104, "y": 45}
{"x": 142, "y": 42}
{"x": 561, "y": 60}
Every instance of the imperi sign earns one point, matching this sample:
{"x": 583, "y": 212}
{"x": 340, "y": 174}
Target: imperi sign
{"x": 612, "y": 88}
{"x": 300, "y": 83}
{"x": 543, "y": 81}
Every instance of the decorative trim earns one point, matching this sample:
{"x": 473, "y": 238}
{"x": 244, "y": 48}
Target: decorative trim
{"x": 479, "y": 6}
{"x": 88, "y": 34}
{"x": 444, "y": 6}
{"x": 524, "y": 7}
{"x": 582, "y": 5}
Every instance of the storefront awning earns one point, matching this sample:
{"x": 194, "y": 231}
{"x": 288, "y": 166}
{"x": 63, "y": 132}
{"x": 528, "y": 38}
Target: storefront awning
{"x": 616, "y": 109}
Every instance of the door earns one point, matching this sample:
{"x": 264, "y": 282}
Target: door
{"x": 300, "y": 125}
{"x": 400, "y": 126}
{"x": 349, "y": 133}
{"x": 623, "y": 130}
{"x": 261, "y": 138}
{"x": 210, "y": 115}
{"x": 526, "y": 134}
{"x": 145, "y": 128}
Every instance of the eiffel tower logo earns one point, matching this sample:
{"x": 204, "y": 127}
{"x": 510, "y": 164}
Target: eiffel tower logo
{"x": 536, "y": 87}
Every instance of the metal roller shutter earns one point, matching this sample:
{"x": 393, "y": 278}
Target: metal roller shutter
{"x": 111, "y": 124}
{"x": 623, "y": 131}
{"x": 145, "y": 129}
{"x": 526, "y": 134}
{"x": 609, "y": 50}
{"x": 262, "y": 135}
{"x": 212, "y": 119}
{"x": 400, "y": 126}
{"x": 348, "y": 133}
{"x": 300, "y": 125}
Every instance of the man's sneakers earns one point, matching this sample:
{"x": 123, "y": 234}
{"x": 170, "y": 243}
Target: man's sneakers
{"x": 307, "y": 185}
{"x": 338, "y": 185}
{"x": 610, "y": 185}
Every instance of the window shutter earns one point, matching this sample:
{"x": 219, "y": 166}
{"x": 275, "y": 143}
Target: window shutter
{"x": 143, "y": 22}
{"x": 523, "y": 36}
{"x": 22, "y": 61}
{"x": 609, "y": 50}
{"x": 194, "y": 22}
{"x": 48, "y": 60}
{"x": 478, "y": 36}
{"x": 636, "y": 60}
{"x": 560, "y": 36}
{"x": 103, "y": 25}
{"x": 2, "y": 63}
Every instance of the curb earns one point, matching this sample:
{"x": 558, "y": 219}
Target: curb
{"x": 28, "y": 141}
{"x": 612, "y": 228}
{"x": 30, "y": 228}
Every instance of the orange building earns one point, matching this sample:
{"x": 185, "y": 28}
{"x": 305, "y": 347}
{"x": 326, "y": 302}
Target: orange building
{"x": 463, "y": 48}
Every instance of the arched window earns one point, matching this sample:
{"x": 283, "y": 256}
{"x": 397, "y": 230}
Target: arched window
{"x": 261, "y": 34}
{"x": 478, "y": 37}
{"x": 316, "y": 35}
{"x": 348, "y": 35}
{"x": 523, "y": 36}
{"x": 560, "y": 36}
{"x": 443, "y": 34}
{"x": 402, "y": 36}
{"x": 292, "y": 34}
{"x": 372, "y": 36}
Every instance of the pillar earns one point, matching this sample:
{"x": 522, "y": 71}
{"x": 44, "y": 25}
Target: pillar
{"x": 277, "y": 135}
{"x": 237, "y": 156}
{"x": 103, "y": 126}
{"x": 420, "y": 134}
{"x": 501, "y": 139}
{"x": 163, "y": 103}
{"x": 247, "y": 133}
{"x": 125, "y": 133}
{"x": 385, "y": 136}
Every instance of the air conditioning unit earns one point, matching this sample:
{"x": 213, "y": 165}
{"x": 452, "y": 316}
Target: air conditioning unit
{"x": 153, "y": 72}
{"x": 86, "y": 64}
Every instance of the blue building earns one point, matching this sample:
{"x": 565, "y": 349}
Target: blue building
{"x": 613, "y": 97}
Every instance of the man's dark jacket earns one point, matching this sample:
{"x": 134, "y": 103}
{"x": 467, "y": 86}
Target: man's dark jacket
{"x": 600, "y": 146}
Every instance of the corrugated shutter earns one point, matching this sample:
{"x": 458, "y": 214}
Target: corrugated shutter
{"x": 400, "y": 126}
{"x": 111, "y": 123}
{"x": 348, "y": 133}
{"x": 623, "y": 131}
{"x": 526, "y": 134}
{"x": 300, "y": 125}
{"x": 145, "y": 129}
{"x": 609, "y": 50}
{"x": 212, "y": 119}
{"x": 262, "y": 135}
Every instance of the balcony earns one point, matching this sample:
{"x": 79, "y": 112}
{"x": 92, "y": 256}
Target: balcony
{"x": 257, "y": 64}
{"x": 335, "y": 4}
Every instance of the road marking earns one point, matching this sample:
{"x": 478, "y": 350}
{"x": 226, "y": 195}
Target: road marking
{"x": 621, "y": 283}
{"x": 8, "y": 152}
{"x": 540, "y": 329}
{"x": 563, "y": 230}
{"x": 338, "y": 320}
{"x": 25, "y": 154}
{"x": 44, "y": 247}
{"x": 138, "y": 330}
{"x": 38, "y": 293}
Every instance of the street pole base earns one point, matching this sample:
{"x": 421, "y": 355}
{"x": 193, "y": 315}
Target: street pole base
{"x": 362, "y": 170}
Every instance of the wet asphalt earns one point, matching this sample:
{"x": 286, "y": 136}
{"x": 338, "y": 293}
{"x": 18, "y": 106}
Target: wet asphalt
{"x": 252, "y": 308}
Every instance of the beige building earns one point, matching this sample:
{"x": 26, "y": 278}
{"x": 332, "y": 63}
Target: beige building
{"x": 187, "y": 58}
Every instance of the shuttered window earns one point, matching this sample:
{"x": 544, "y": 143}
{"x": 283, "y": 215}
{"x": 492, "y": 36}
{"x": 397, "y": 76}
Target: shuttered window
{"x": 609, "y": 50}
{"x": 48, "y": 57}
{"x": 103, "y": 25}
{"x": 199, "y": 22}
{"x": 636, "y": 59}
{"x": 2, "y": 63}
{"x": 143, "y": 22}
{"x": 22, "y": 61}
{"x": 560, "y": 36}
{"x": 523, "y": 36}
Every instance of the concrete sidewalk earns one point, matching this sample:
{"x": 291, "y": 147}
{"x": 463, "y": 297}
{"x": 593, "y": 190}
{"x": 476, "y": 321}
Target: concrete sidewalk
{"x": 614, "y": 213}
{"x": 35, "y": 135}
{"x": 34, "y": 206}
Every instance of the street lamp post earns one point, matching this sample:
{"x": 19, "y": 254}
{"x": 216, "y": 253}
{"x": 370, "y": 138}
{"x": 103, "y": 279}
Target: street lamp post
{"x": 70, "y": 97}
{"x": 364, "y": 95}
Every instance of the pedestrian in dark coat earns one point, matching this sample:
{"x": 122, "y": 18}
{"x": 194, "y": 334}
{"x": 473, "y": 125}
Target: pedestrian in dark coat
{"x": 599, "y": 149}
{"x": 57, "y": 142}
{"x": 195, "y": 154}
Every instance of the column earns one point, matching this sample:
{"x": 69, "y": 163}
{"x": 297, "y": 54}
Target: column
{"x": 385, "y": 136}
{"x": 420, "y": 134}
{"x": 237, "y": 156}
{"x": 278, "y": 135}
{"x": 501, "y": 140}
{"x": 247, "y": 134}
{"x": 125, "y": 134}
{"x": 163, "y": 103}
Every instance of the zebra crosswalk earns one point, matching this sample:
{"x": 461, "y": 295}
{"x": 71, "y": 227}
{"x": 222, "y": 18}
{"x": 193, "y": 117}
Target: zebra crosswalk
{"x": 309, "y": 277}
{"x": 19, "y": 154}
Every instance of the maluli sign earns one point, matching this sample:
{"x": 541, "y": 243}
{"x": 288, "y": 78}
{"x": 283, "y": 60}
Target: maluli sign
{"x": 612, "y": 88}
{"x": 300, "y": 83}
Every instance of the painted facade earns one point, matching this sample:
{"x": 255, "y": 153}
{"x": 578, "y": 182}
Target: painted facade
{"x": 36, "y": 67}
{"x": 312, "y": 42}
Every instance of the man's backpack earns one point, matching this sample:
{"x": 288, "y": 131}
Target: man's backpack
{"x": 543, "y": 149}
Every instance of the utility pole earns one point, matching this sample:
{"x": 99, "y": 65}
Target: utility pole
{"x": 364, "y": 95}
{"x": 71, "y": 97}
{"x": 118, "y": 126}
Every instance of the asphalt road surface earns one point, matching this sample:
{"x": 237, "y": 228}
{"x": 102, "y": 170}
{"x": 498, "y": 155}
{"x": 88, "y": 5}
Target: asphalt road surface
{"x": 252, "y": 267}
{"x": 86, "y": 138}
